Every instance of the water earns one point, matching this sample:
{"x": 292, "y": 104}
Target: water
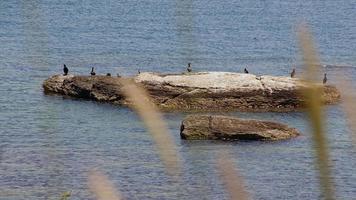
{"x": 48, "y": 144}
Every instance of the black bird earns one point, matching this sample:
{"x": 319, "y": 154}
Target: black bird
{"x": 325, "y": 79}
{"x": 245, "y": 70}
{"x": 292, "y": 74}
{"x": 138, "y": 71}
{"x": 92, "y": 71}
{"x": 189, "y": 68}
{"x": 65, "y": 70}
{"x": 181, "y": 128}
{"x": 108, "y": 74}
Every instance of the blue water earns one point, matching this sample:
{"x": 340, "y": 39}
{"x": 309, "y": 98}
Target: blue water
{"x": 48, "y": 144}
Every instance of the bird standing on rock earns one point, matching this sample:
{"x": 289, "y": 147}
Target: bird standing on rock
{"x": 92, "y": 71}
{"x": 245, "y": 70}
{"x": 108, "y": 74}
{"x": 189, "y": 68}
{"x": 65, "y": 70}
{"x": 292, "y": 74}
{"x": 325, "y": 79}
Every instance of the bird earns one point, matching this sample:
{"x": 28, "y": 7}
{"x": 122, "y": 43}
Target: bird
{"x": 138, "y": 71}
{"x": 65, "y": 70}
{"x": 189, "y": 68}
{"x": 325, "y": 79}
{"x": 118, "y": 75}
{"x": 292, "y": 74}
{"x": 245, "y": 70}
{"x": 92, "y": 71}
{"x": 108, "y": 74}
{"x": 181, "y": 127}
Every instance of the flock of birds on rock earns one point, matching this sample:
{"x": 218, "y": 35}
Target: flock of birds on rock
{"x": 189, "y": 69}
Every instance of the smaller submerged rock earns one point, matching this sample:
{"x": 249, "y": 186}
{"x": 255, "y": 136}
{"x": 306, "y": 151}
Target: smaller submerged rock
{"x": 216, "y": 127}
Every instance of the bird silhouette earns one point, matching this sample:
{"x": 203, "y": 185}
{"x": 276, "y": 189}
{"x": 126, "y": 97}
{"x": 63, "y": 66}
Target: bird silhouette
{"x": 245, "y": 70}
{"x": 108, "y": 74}
{"x": 92, "y": 71}
{"x": 181, "y": 127}
{"x": 65, "y": 70}
{"x": 189, "y": 68}
{"x": 325, "y": 79}
{"x": 292, "y": 74}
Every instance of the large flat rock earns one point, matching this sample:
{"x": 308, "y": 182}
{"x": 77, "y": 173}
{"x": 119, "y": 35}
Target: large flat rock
{"x": 215, "y": 127}
{"x": 216, "y": 91}
{"x": 204, "y": 91}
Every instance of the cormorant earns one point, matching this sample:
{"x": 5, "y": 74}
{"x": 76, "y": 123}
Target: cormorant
{"x": 181, "y": 128}
{"x": 245, "y": 70}
{"x": 189, "y": 68}
{"x": 325, "y": 79}
{"x": 292, "y": 74}
{"x": 108, "y": 74}
{"x": 65, "y": 70}
{"x": 92, "y": 71}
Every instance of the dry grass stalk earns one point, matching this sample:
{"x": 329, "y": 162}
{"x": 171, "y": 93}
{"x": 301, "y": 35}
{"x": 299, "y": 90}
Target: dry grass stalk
{"x": 152, "y": 118}
{"x": 230, "y": 177}
{"x": 313, "y": 100}
{"x": 102, "y": 187}
{"x": 65, "y": 195}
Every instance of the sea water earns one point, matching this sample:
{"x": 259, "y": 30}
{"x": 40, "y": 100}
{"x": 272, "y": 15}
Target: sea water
{"x": 49, "y": 144}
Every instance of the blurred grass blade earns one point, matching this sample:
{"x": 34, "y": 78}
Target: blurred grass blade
{"x": 313, "y": 99}
{"x": 230, "y": 177}
{"x": 151, "y": 116}
{"x": 102, "y": 187}
{"x": 65, "y": 196}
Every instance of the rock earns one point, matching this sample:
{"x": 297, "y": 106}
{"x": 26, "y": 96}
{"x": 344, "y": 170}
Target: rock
{"x": 204, "y": 91}
{"x": 99, "y": 88}
{"x": 217, "y": 91}
{"x": 215, "y": 127}
{"x": 54, "y": 84}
